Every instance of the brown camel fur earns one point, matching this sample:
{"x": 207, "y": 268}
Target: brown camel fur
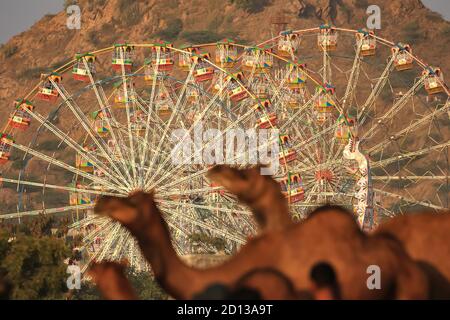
{"x": 111, "y": 281}
{"x": 425, "y": 237}
{"x": 329, "y": 235}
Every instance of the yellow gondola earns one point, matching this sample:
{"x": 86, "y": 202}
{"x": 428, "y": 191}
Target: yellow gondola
{"x": 324, "y": 103}
{"x": 288, "y": 44}
{"x": 204, "y": 71}
{"x": 292, "y": 188}
{"x": 434, "y": 82}
{"x": 20, "y": 118}
{"x": 226, "y": 54}
{"x": 101, "y": 125}
{"x": 266, "y": 117}
{"x": 79, "y": 198}
{"x": 81, "y": 163}
{"x": 344, "y": 129}
{"x": 48, "y": 92}
{"x": 84, "y": 66}
{"x": 124, "y": 96}
{"x": 287, "y": 153}
{"x": 163, "y": 56}
{"x": 123, "y": 55}
{"x": 236, "y": 91}
{"x": 368, "y": 42}
{"x": 403, "y": 57}
{"x": 5, "y": 147}
{"x": 257, "y": 60}
{"x": 327, "y": 38}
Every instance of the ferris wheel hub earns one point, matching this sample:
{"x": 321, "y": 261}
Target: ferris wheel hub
{"x": 324, "y": 175}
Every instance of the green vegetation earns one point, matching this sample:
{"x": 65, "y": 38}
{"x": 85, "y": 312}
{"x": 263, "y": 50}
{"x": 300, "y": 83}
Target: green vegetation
{"x": 51, "y": 145}
{"x": 347, "y": 11}
{"x": 399, "y": 184}
{"x": 95, "y": 3}
{"x": 32, "y": 261}
{"x": 93, "y": 37}
{"x": 143, "y": 283}
{"x": 446, "y": 31}
{"x": 411, "y": 33}
{"x": 362, "y": 4}
{"x": 8, "y": 50}
{"x": 251, "y": 6}
{"x": 36, "y": 72}
{"x": 32, "y": 264}
{"x": 18, "y": 164}
{"x": 202, "y": 36}
{"x": 433, "y": 15}
{"x": 130, "y": 12}
{"x": 171, "y": 32}
{"x": 218, "y": 243}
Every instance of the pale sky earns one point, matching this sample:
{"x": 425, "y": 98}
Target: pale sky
{"x": 17, "y": 16}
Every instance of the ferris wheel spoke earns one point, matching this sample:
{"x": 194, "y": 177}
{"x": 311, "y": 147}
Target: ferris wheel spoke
{"x": 396, "y": 107}
{"x": 205, "y": 144}
{"x": 413, "y": 126}
{"x": 122, "y": 243}
{"x": 103, "y": 226}
{"x": 276, "y": 88}
{"x": 150, "y": 108}
{"x": 108, "y": 242}
{"x": 62, "y": 188}
{"x": 316, "y": 137}
{"x": 74, "y": 145}
{"x": 408, "y": 155}
{"x": 63, "y": 165}
{"x": 309, "y": 156}
{"x": 204, "y": 207}
{"x": 220, "y": 232}
{"x": 84, "y": 122}
{"x": 175, "y": 111}
{"x": 412, "y": 178}
{"x": 408, "y": 200}
{"x": 353, "y": 79}
{"x": 125, "y": 87}
{"x": 201, "y": 191}
{"x": 384, "y": 211}
{"x": 326, "y": 67}
{"x": 90, "y": 243}
{"x": 376, "y": 91}
{"x": 45, "y": 211}
{"x": 104, "y": 106}
{"x": 299, "y": 114}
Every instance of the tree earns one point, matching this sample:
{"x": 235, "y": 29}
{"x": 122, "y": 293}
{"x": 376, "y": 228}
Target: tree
{"x": 251, "y": 6}
{"x": 35, "y": 267}
{"x": 143, "y": 283}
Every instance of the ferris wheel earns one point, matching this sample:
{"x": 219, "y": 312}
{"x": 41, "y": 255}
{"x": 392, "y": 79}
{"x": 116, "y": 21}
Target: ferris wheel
{"x": 362, "y": 123}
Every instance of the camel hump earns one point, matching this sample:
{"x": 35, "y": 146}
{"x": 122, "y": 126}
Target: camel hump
{"x": 334, "y": 216}
{"x": 412, "y": 225}
{"x": 425, "y": 236}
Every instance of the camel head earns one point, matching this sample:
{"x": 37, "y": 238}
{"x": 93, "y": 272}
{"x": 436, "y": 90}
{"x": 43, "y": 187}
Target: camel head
{"x": 135, "y": 212}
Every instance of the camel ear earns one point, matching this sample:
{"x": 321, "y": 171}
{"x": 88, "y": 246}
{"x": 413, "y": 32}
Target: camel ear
{"x": 118, "y": 209}
{"x": 246, "y": 184}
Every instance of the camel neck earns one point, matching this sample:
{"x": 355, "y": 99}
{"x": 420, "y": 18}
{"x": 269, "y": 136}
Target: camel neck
{"x": 170, "y": 271}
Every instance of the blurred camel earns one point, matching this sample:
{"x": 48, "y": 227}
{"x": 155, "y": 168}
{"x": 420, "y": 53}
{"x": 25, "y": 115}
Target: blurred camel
{"x": 329, "y": 235}
{"x": 426, "y": 239}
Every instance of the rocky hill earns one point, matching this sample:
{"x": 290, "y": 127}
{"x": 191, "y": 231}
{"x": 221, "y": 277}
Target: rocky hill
{"x": 49, "y": 42}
